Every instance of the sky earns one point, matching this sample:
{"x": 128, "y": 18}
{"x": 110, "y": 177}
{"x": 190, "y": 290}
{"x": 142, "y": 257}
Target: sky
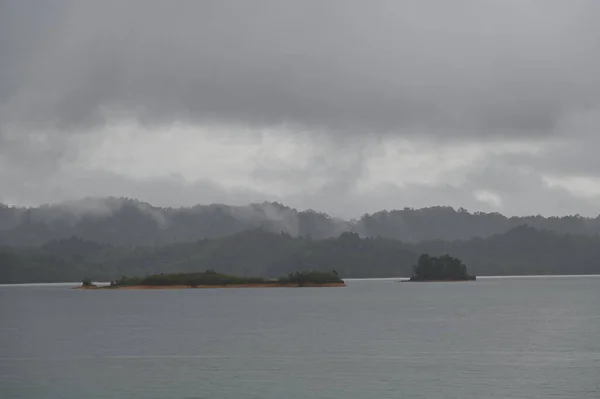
{"x": 344, "y": 106}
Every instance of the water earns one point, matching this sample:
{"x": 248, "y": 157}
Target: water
{"x": 494, "y": 338}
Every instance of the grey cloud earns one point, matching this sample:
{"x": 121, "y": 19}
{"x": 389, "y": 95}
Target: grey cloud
{"x": 473, "y": 66}
{"x": 575, "y": 154}
{"x": 522, "y": 193}
{"x": 517, "y": 189}
{"x": 462, "y": 70}
{"x": 160, "y": 191}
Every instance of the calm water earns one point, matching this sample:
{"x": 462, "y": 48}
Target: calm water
{"x": 495, "y": 338}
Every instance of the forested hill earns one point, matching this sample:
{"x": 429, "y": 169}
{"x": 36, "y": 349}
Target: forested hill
{"x": 446, "y": 223}
{"x": 126, "y": 222}
{"x": 522, "y": 250}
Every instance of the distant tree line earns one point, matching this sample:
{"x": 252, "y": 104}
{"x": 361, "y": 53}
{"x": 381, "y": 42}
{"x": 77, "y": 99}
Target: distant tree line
{"x": 258, "y": 252}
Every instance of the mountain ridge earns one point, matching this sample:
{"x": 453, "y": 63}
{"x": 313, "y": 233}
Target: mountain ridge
{"x": 126, "y": 222}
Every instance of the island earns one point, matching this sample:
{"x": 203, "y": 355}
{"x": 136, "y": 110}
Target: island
{"x": 443, "y": 268}
{"x": 212, "y": 279}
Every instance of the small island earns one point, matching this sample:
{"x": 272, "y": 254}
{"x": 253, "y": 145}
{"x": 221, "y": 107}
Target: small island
{"x": 212, "y": 279}
{"x": 443, "y": 268}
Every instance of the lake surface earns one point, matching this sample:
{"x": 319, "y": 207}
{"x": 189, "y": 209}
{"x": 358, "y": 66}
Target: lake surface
{"x": 494, "y": 338}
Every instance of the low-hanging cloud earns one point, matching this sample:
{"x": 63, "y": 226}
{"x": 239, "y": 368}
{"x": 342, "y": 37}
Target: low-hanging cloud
{"x": 349, "y": 78}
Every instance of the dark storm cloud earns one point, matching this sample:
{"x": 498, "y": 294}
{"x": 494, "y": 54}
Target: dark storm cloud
{"x": 504, "y": 67}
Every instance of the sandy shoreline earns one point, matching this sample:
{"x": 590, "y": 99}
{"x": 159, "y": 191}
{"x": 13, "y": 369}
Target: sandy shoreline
{"x": 179, "y": 287}
{"x": 433, "y": 281}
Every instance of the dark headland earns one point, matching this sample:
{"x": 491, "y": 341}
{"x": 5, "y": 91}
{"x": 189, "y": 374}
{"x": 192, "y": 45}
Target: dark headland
{"x": 212, "y": 279}
{"x": 443, "y": 268}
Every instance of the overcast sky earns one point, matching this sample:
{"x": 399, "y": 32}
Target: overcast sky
{"x": 342, "y": 106}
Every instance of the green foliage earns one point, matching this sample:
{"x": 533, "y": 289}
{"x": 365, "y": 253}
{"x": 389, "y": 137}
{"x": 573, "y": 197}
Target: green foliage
{"x": 444, "y": 267}
{"x": 87, "y": 282}
{"x": 311, "y": 277}
{"x": 210, "y": 278}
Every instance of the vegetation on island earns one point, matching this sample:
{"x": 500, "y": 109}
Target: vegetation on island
{"x": 212, "y": 278}
{"x": 443, "y": 268}
{"x": 311, "y": 277}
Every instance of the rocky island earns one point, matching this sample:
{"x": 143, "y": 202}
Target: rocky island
{"x": 443, "y": 268}
{"x": 212, "y": 279}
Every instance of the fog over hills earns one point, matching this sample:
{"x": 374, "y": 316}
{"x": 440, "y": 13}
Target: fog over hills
{"x": 126, "y": 222}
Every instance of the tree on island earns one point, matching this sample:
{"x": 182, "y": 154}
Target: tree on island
{"x": 212, "y": 278}
{"x": 87, "y": 283}
{"x": 311, "y": 277}
{"x": 442, "y": 268}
